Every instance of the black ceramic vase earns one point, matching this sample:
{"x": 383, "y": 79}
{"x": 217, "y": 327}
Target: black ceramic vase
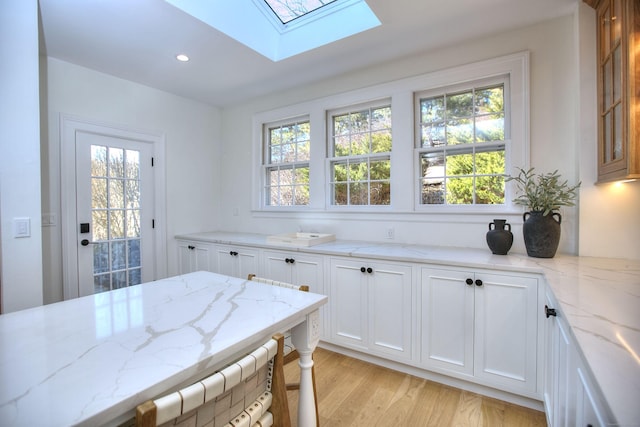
{"x": 499, "y": 237}
{"x": 541, "y": 233}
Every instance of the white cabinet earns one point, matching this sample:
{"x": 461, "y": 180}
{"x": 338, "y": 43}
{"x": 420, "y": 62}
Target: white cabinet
{"x": 589, "y": 408}
{"x": 300, "y": 269}
{"x": 295, "y": 267}
{"x": 558, "y": 376}
{"x": 570, "y": 396}
{"x": 481, "y": 326}
{"x": 236, "y": 261}
{"x": 193, "y": 256}
{"x": 370, "y": 306}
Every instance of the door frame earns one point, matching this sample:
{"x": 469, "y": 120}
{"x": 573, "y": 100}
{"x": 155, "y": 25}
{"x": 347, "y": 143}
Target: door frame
{"x": 69, "y": 126}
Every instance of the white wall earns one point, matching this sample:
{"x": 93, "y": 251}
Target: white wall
{"x": 553, "y": 136}
{"x": 192, "y": 134}
{"x": 20, "y": 265}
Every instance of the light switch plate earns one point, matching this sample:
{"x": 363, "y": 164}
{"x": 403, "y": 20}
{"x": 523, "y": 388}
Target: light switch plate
{"x": 21, "y": 227}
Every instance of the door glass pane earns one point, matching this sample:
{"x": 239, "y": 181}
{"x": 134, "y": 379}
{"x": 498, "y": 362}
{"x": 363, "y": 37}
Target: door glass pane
{"x": 133, "y": 223}
{"x": 616, "y": 21}
{"x": 133, "y": 253}
{"x": 617, "y": 132}
{"x": 607, "y": 138}
{"x": 606, "y": 85}
{"x": 115, "y": 187}
{"x": 100, "y": 226}
{"x": 116, "y": 193}
{"x": 118, "y": 260}
{"x": 101, "y": 257}
{"x": 98, "y": 160}
{"x": 99, "y": 193}
{"x": 116, "y": 162}
{"x": 133, "y": 164}
{"x": 605, "y": 29}
{"x": 116, "y": 224}
{"x": 617, "y": 74}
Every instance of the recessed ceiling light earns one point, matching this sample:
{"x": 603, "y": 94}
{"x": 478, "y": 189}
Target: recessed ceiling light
{"x": 182, "y": 57}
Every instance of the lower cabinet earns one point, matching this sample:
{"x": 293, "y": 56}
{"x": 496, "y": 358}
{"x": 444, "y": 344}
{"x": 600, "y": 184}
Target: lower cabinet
{"x": 480, "y": 326}
{"x": 370, "y": 306}
{"x": 298, "y": 268}
{"x": 570, "y": 397}
{"x": 236, "y": 261}
{"x": 493, "y": 328}
{"x": 193, "y": 256}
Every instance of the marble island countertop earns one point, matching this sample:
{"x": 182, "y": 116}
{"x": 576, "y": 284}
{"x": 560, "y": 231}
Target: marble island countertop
{"x": 599, "y": 298}
{"x": 91, "y": 360}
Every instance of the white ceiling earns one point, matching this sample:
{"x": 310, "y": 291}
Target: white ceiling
{"x": 138, "y": 39}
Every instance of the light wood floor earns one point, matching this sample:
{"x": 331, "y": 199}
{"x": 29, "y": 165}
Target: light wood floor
{"x": 356, "y": 393}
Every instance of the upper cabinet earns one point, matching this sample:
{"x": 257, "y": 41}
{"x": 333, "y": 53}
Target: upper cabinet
{"x": 618, "y": 56}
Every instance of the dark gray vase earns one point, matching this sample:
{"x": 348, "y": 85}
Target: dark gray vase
{"x": 499, "y": 237}
{"x": 541, "y": 233}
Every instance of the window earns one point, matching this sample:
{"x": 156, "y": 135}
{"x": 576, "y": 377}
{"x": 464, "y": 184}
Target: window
{"x": 286, "y": 164}
{"x": 360, "y": 156}
{"x": 288, "y": 10}
{"x": 453, "y": 137}
{"x": 461, "y": 143}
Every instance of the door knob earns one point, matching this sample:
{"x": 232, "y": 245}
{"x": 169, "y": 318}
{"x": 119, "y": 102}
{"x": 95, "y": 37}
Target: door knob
{"x": 85, "y": 242}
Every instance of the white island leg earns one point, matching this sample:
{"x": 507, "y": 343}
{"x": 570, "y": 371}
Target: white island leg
{"x": 305, "y": 337}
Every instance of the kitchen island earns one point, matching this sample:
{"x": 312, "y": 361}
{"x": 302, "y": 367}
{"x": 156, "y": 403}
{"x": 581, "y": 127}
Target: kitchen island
{"x": 92, "y": 360}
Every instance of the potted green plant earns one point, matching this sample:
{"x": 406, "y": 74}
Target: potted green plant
{"x": 543, "y": 195}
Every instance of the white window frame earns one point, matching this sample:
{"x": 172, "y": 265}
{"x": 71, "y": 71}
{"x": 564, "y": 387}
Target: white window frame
{"x": 463, "y": 87}
{"x": 267, "y": 165}
{"x": 403, "y": 158}
{"x": 332, "y": 159}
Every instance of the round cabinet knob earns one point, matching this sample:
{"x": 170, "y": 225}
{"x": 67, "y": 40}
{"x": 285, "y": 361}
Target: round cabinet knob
{"x": 362, "y": 269}
{"x": 549, "y": 311}
{"x": 369, "y": 270}
{"x": 478, "y": 282}
{"x": 191, "y": 247}
{"x": 469, "y": 281}
{"x": 291, "y": 260}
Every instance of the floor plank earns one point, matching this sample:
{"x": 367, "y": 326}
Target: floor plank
{"x": 355, "y": 393}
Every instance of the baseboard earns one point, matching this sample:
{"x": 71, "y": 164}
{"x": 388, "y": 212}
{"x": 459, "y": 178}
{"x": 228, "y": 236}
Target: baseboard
{"x": 436, "y": 377}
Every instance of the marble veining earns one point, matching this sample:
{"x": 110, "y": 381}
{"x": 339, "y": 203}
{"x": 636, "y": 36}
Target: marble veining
{"x": 90, "y": 360}
{"x": 599, "y": 298}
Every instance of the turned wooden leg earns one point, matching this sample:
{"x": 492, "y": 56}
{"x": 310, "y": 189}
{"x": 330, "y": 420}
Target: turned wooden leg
{"x": 305, "y": 338}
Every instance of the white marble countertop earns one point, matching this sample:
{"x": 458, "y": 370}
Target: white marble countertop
{"x": 91, "y": 360}
{"x": 599, "y": 298}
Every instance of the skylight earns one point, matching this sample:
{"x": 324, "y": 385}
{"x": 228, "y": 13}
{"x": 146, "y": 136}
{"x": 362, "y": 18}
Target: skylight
{"x": 288, "y": 10}
{"x": 309, "y": 24}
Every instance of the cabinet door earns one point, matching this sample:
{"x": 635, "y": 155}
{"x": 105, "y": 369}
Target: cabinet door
{"x": 224, "y": 261}
{"x": 506, "y": 335}
{"x": 247, "y": 262}
{"x": 193, "y": 256}
{"x": 587, "y": 411}
{"x": 446, "y": 319}
{"x": 558, "y": 400}
{"x": 348, "y": 303}
{"x": 236, "y": 261}
{"x": 308, "y": 270}
{"x": 389, "y": 287}
{"x": 277, "y": 266}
